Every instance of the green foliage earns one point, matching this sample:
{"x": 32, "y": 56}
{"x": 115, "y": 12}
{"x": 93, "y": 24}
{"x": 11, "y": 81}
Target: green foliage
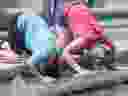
{"x": 91, "y": 3}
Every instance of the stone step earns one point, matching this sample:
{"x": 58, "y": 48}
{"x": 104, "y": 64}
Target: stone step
{"x": 119, "y": 3}
{"x": 117, "y": 33}
{"x": 116, "y": 22}
{"x": 110, "y": 11}
{"x": 3, "y": 35}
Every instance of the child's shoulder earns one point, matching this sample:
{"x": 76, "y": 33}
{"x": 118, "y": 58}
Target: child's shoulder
{"x": 33, "y": 19}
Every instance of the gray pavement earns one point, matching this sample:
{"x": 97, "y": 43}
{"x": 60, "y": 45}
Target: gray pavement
{"x": 18, "y": 88}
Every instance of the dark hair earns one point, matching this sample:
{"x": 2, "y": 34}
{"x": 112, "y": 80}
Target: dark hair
{"x": 57, "y": 15}
{"x": 12, "y": 30}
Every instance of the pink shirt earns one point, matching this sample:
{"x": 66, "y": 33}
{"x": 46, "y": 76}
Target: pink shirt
{"x": 82, "y": 21}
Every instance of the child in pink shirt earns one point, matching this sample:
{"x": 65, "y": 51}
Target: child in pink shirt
{"x": 83, "y": 25}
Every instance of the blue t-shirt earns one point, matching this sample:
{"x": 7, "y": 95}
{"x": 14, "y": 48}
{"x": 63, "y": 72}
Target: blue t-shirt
{"x": 35, "y": 30}
{"x": 28, "y": 25}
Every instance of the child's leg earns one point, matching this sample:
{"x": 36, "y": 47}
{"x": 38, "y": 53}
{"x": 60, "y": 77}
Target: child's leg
{"x": 52, "y": 67}
{"x": 53, "y": 50}
{"x": 51, "y": 12}
{"x": 52, "y": 44}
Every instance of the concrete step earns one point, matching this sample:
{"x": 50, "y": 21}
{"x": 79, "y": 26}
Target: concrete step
{"x": 119, "y": 21}
{"x": 117, "y": 33}
{"x": 115, "y": 23}
{"x": 3, "y": 35}
{"x": 110, "y": 11}
{"x": 119, "y": 3}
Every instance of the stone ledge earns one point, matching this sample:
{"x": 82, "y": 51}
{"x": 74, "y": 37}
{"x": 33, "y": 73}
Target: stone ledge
{"x": 110, "y": 11}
